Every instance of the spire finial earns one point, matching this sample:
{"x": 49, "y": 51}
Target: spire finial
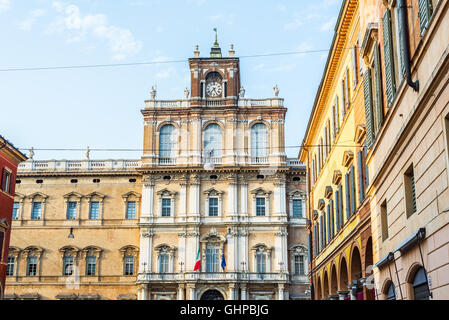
{"x": 215, "y": 51}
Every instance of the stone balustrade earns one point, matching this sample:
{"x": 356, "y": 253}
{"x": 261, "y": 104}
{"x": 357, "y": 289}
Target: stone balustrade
{"x": 78, "y": 165}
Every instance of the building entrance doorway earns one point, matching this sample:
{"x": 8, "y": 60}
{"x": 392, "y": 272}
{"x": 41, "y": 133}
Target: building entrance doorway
{"x": 212, "y": 295}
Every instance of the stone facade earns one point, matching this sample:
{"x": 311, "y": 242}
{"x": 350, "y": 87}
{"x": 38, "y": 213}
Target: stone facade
{"x": 334, "y": 151}
{"x": 213, "y": 178}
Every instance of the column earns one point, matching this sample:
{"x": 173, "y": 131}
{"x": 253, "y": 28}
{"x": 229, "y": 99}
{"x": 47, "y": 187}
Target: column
{"x": 243, "y": 292}
{"x": 231, "y": 254}
{"x": 280, "y": 291}
{"x": 194, "y": 199}
{"x": 244, "y": 200}
{"x": 142, "y": 292}
{"x": 231, "y": 291}
{"x": 232, "y": 199}
{"x": 183, "y": 200}
{"x": 191, "y": 291}
{"x": 180, "y": 295}
{"x": 147, "y": 200}
{"x": 146, "y": 250}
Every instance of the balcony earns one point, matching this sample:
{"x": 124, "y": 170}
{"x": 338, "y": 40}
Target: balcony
{"x": 77, "y": 165}
{"x": 213, "y": 276}
{"x": 259, "y": 160}
{"x": 167, "y": 161}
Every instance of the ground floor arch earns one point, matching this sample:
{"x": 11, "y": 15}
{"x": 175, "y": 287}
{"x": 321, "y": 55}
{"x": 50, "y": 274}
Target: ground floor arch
{"x": 212, "y": 294}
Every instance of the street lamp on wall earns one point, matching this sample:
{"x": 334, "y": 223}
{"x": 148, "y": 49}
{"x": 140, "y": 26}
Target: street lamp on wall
{"x": 71, "y": 236}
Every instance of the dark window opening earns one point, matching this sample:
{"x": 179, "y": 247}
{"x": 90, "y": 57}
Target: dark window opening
{"x": 260, "y": 176}
{"x": 213, "y": 177}
{"x": 39, "y": 181}
{"x": 74, "y": 181}
{"x": 132, "y": 180}
{"x": 167, "y": 177}
{"x": 96, "y": 180}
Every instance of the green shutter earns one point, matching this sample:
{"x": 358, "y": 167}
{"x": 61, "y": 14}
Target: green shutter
{"x": 360, "y": 176}
{"x": 331, "y": 203}
{"x": 348, "y": 198}
{"x": 352, "y": 178}
{"x": 401, "y": 47}
{"x": 388, "y": 53}
{"x": 368, "y": 93}
{"x": 425, "y": 12}
{"x": 378, "y": 84}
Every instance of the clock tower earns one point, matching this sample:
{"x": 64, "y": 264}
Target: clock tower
{"x": 214, "y": 79}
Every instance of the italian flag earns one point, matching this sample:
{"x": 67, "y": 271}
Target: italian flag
{"x": 198, "y": 261}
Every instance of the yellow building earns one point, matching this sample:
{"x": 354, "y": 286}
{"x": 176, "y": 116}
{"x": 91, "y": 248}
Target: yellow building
{"x": 334, "y": 152}
{"x": 213, "y": 189}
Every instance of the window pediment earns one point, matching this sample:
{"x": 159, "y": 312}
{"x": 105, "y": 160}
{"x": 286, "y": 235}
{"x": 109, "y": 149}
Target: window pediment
{"x": 166, "y": 192}
{"x": 96, "y": 194}
{"x": 73, "y": 195}
{"x": 336, "y": 178}
{"x": 165, "y": 248}
{"x": 37, "y": 195}
{"x": 315, "y": 214}
{"x": 69, "y": 251}
{"x": 19, "y": 196}
{"x": 328, "y": 192}
{"x": 4, "y": 224}
{"x": 360, "y": 132}
{"x": 297, "y": 194}
{"x": 298, "y": 249}
{"x": 14, "y": 251}
{"x": 260, "y": 192}
{"x": 321, "y": 204}
{"x": 213, "y": 192}
{"x": 371, "y": 36}
{"x": 348, "y": 156}
{"x": 261, "y": 248}
{"x": 33, "y": 251}
{"x": 91, "y": 251}
{"x": 130, "y": 194}
{"x": 213, "y": 236}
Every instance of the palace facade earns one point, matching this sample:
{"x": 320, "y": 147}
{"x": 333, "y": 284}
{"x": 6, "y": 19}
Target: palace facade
{"x": 212, "y": 210}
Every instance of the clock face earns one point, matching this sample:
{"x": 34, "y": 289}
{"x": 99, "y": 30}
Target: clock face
{"x": 213, "y": 89}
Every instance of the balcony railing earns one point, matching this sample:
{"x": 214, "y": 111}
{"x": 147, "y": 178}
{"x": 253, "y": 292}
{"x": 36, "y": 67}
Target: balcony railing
{"x": 259, "y": 160}
{"x": 77, "y": 165}
{"x": 167, "y": 161}
{"x": 213, "y": 276}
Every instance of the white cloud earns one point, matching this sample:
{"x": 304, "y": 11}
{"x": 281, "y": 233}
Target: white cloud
{"x": 27, "y": 24}
{"x": 259, "y": 66}
{"x": 80, "y": 26}
{"x": 328, "y": 25}
{"x": 303, "y": 46}
{"x": 5, "y": 5}
{"x": 159, "y": 29}
{"x": 295, "y": 24}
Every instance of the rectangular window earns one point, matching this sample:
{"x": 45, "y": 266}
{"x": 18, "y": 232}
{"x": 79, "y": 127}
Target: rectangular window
{"x": 6, "y": 181}
{"x": 299, "y": 265}
{"x": 130, "y": 210}
{"x": 94, "y": 210}
{"x": 424, "y": 13}
{"x": 129, "y": 266}
{"x": 71, "y": 210}
{"x": 91, "y": 264}
{"x": 213, "y": 207}
{"x": 260, "y": 206}
{"x": 410, "y": 195}
{"x": 31, "y": 266}
{"x": 260, "y": 263}
{"x": 163, "y": 263}
{"x": 10, "y": 266}
{"x": 36, "y": 211}
{"x": 384, "y": 220}
{"x": 212, "y": 255}
{"x": 166, "y": 206}
{"x": 360, "y": 175}
{"x": 67, "y": 269}
{"x": 297, "y": 208}
{"x": 15, "y": 210}
{"x": 355, "y": 64}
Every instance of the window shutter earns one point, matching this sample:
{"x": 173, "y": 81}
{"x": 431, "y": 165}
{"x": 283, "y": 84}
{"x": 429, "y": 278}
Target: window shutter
{"x": 366, "y": 167}
{"x": 322, "y": 232}
{"x": 343, "y": 99}
{"x": 355, "y": 67}
{"x": 425, "y": 12}
{"x": 334, "y": 131}
{"x": 360, "y": 176}
{"x": 337, "y": 209}
{"x": 352, "y": 178}
{"x": 401, "y": 47}
{"x": 368, "y": 93}
{"x": 378, "y": 83}
{"x": 340, "y": 203}
{"x": 328, "y": 213}
{"x": 347, "y": 88}
{"x": 2, "y": 179}
{"x": 348, "y": 204}
{"x": 388, "y": 53}
{"x": 331, "y": 204}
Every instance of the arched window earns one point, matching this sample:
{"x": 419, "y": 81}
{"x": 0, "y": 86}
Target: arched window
{"x": 213, "y": 140}
{"x": 391, "y": 294}
{"x": 167, "y": 141}
{"x": 259, "y": 140}
{"x": 420, "y": 289}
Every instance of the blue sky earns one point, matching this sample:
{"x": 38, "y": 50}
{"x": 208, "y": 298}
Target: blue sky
{"x": 100, "y": 107}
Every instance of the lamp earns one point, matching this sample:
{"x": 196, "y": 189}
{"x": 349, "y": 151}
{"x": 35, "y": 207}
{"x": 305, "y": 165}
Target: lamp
{"x": 71, "y": 236}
